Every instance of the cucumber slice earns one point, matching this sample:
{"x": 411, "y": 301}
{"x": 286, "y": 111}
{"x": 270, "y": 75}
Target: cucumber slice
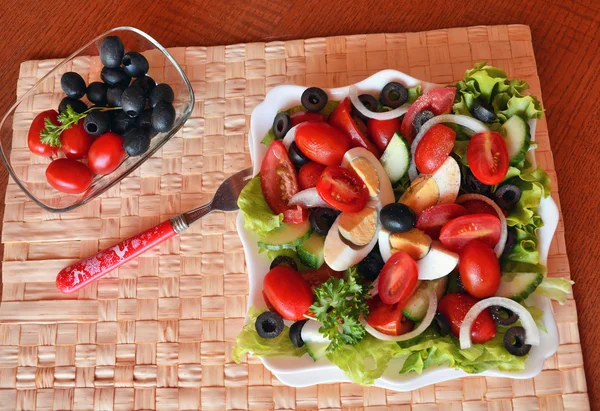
{"x": 316, "y": 344}
{"x": 396, "y": 158}
{"x": 518, "y": 286}
{"x": 416, "y": 308}
{"x": 517, "y": 137}
{"x": 286, "y": 236}
{"x": 310, "y": 252}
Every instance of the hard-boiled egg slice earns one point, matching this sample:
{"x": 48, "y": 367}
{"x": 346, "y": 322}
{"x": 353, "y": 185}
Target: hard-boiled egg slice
{"x": 447, "y": 178}
{"x": 370, "y": 170}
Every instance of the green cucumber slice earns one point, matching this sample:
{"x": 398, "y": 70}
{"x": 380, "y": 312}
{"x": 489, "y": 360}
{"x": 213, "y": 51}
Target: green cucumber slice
{"x": 518, "y": 286}
{"x": 396, "y": 158}
{"x": 517, "y": 137}
{"x": 286, "y": 236}
{"x": 416, "y": 308}
{"x": 310, "y": 252}
{"x": 316, "y": 344}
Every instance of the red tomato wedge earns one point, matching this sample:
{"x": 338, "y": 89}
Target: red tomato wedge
{"x": 342, "y": 189}
{"x": 488, "y": 157}
{"x": 279, "y": 183}
{"x": 456, "y": 306}
{"x": 322, "y": 143}
{"x": 439, "y": 101}
{"x": 317, "y": 277}
{"x": 457, "y": 233}
{"x": 304, "y": 116}
{"x": 33, "y": 137}
{"x": 382, "y": 131}
{"x": 434, "y": 148}
{"x": 309, "y": 175}
{"x": 288, "y": 292}
{"x": 478, "y": 207}
{"x": 387, "y": 318}
{"x": 398, "y": 279}
{"x": 341, "y": 118}
{"x": 479, "y": 269}
{"x": 433, "y": 218}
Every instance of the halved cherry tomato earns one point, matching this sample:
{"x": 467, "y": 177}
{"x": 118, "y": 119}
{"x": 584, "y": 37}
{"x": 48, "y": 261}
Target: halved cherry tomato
{"x": 317, "y": 277}
{"x": 69, "y": 176}
{"x": 33, "y": 137}
{"x": 434, "y": 148}
{"x": 488, "y": 158}
{"x": 382, "y": 131}
{"x": 106, "y": 153}
{"x": 478, "y": 207}
{"x": 341, "y": 118}
{"x": 76, "y": 141}
{"x": 309, "y": 175}
{"x": 279, "y": 183}
{"x": 457, "y": 233}
{"x": 439, "y": 101}
{"x": 303, "y": 116}
{"x": 455, "y": 307}
{"x": 433, "y": 218}
{"x": 343, "y": 189}
{"x": 288, "y": 292}
{"x": 387, "y": 318}
{"x": 479, "y": 269}
{"x": 398, "y": 279}
{"x": 321, "y": 142}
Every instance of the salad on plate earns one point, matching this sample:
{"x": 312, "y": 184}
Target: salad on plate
{"x": 401, "y": 225}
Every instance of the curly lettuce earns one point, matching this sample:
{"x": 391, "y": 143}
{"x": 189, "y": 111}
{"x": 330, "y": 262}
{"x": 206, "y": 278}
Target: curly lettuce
{"x": 258, "y": 216}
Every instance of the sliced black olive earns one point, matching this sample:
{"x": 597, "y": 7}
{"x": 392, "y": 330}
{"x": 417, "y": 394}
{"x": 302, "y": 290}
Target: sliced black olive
{"x": 297, "y": 156}
{"x": 397, "y": 217}
{"x": 284, "y": 260}
{"x": 281, "y": 125}
{"x": 269, "y": 324}
{"x": 111, "y": 52}
{"x": 96, "y": 93}
{"x": 73, "y": 85}
{"x": 441, "y": 325}
{"x": 314, "y": 99}
{"x": 115, "y": 76}
{"x": 296, "y": 333}
{"x": 162, "y": 92}
{"x": 503, "y": 316}
{"x": 114, "y": 94}
{"x": 511, "y": 240}
{"x": 514, "y": 341}
{"x": 135, "y": 64}
{"x": 508, "y": 195}
{"x": 77, "y": 105}
{"x": 121, "y": 122}
{"x": 422, "y": 118}
{"x": 136, "y": 142}
{"x": 97, "y": 122}
{"x": 483, "y": 112}
{"x": 370, "y": 267}
{"x": 369, "y": 102}
{"x": 475, "y": 186}
{"x": 393, "y": 94}
{"x": 163, "y": 116}
{"x": 321, "y": 219}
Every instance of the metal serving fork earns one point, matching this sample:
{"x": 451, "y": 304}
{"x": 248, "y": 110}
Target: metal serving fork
{"x": 80, "y": 274}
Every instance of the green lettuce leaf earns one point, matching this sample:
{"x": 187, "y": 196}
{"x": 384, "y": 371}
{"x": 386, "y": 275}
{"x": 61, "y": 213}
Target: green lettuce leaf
{"x": 258, "y": 216}
{"x": 555, "y": 288}
{"x": 538, "y": 316}
{"x": 414, "y": 93}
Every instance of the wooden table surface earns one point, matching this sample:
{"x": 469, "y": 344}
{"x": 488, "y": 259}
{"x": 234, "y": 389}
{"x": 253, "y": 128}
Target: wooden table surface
{"x": 566, "y": 39}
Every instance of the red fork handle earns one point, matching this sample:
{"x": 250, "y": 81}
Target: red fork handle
{"x": 80, "y": 274}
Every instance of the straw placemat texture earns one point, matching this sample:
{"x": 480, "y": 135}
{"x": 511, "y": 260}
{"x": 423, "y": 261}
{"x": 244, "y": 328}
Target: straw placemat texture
{"x": 157, "y": 333}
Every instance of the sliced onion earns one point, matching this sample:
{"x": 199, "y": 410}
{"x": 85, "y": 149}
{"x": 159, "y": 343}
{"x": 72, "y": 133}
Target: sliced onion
{"x": 290, "y": 136}
{"x": 308, "y": 198}
{"x": 532, "y": 333}
{"x": 431, "y": 309}
{"x": 499, "y": 248}
{"x": 386, "y": 115}
{"x": 465, "y": 121}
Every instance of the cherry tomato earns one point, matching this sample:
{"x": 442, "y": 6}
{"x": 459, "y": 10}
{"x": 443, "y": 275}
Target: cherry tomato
{"x": 398, "y": 279}
{"x": 488, "y": 158}
{"x": 460, "y": 231}
{"x": 303, "y": 116}
{"x": 342, "y": 189}
{"x": 382, "y": 131}
{"x": 455, "y": 307}
{"x": 479, "y": 269}
{"x": 341, "y": 118}
{"x": 434, "y": 148}
{"x": 433, "y": 218}
{"x": 76, "y": 141}
{"x": 478, "y": 207}
{"x": 267, "y": 302}
{"x": 279, "y": 183}
{"x": 106, "y": 153}
{"x": 69, "y": 176}
{"x": 439, "y": 101}
{"x": 387, "y": 318}
{"x": 33, "y": 137}
{"x": 317, "y": 277}
{"x": 309, "y": 175}
{"x": 321, "y": 142}
{"x": 288, "y": 292}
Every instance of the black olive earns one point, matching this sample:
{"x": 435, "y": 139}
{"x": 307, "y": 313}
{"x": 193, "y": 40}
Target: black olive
{"x": 135, "y": 64}
{"x": 483, "y": 112}
{"x": 136, "y": 142}
{"x": 269, "y": 324}
{"x": 441, "y": 325}
{"x": 97, "y": 122}
{"x": 114, "y": 94}
{"x": 511, "y": 240}
{"x": 162, "y": 92}
{"x": 397, "y": 217}
{"x": 77, "y": 105}
{"x": 370, "y": 267}
{"x": 475, "y": 186}
{"x": 296, "y": 333}
{"x": 314, "y": 99}
{"x": 297, "y": 156}
{"x": 144, "y": 121}
{"x": 503, "y": 316}
{"x": 146, "y": 83}
{"x": 508, "y": 195}
{"x": 96, "y": 93}
{"x": 284, "y": 260}
{"x": 422, "y": 118}
{"x": 73, "y": 85}
{"x": 111, "y": 51}
{"x": 393, "y": 94}
{"x": 281, "y": 125}
{"x": 514, "y": 341}
{"x": 115, "y": 76}
{"x": 369, "y": 102}
{"x": 133, "y": 101}
{"x": 163, "y": 116}
{"x": 121, "y": 122}
{"x": 321, "y": 219}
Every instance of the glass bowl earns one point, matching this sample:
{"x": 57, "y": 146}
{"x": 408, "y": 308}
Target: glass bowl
{"x": 28, "y": 170}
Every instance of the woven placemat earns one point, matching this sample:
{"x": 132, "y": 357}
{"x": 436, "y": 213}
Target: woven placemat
{"x": 157, "y": 333}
